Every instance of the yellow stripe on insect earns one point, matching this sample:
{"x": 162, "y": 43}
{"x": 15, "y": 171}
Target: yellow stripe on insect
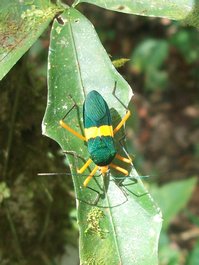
{"x": 93, "y": 132}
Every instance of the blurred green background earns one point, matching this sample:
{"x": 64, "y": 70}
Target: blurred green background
{"x": 37, "y": 213}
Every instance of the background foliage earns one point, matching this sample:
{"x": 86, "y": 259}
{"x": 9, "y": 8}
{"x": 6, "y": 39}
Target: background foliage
{"x": 38, "y": 211}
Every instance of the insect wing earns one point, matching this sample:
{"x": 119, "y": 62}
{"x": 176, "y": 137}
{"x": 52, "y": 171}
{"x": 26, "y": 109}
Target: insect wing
{"x": 96, "y": 111}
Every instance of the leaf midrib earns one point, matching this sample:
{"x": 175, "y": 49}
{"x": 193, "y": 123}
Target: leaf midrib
{"x": 81, "y": 84}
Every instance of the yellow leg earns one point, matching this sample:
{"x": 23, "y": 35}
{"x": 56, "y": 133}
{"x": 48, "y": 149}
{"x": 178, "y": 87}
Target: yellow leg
{"x": 65, "y": 126}
{"x": 124, "y": 171}
{"x": 124, "y": 159}
{"x": 81, "y": 170}
{"x": 124, "y": 119}
{"x": 87, "y": 180}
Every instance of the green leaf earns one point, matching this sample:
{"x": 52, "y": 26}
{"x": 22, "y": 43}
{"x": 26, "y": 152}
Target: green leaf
{"x": 21, "y": 23}
{"x": 172, "y": 9}
{"x": 193, "y": 258}
{"x": 150, "y": 53}
{"x": 148, "y": 58}
{"x": 186, "y": 41}
{"x": 117, "y": 233}
{"x": 173, "y": 197}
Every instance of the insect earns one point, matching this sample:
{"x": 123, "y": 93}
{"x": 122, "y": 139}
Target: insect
{"x": 99, "y": 136}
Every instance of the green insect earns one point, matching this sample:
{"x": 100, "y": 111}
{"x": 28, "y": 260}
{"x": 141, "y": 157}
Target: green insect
{"x": 99, "y": 135}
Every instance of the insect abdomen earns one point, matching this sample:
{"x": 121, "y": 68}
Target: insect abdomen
{"x": 102, "y": 150}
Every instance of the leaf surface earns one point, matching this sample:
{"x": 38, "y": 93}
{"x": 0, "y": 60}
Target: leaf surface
{"x": 123, "y": 226}
{"x": 21, "y": 23}
{"x": 186, "y": 10}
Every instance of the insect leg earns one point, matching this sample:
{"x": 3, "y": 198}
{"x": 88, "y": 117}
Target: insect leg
{"x": 128, "y": 186}
{"x": 124, "y": 159}
{"x": 87, "y": 180}
{"x": 124, "y": 119}
{"x": 122, "y": 144}
{"x": 120, "y": 169}
{"x": 68, "y": 128}
{"x": 65, "y": 126}
{"x": 122, "y": 122}
{"x": 120, "y": 186}
{"x": 102, "y": 195}
{"x": 96, "y": 200}
{"x": 76, "y": 156}
{"x": 114, "y": 94}
{"x": 85, "y": 166}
